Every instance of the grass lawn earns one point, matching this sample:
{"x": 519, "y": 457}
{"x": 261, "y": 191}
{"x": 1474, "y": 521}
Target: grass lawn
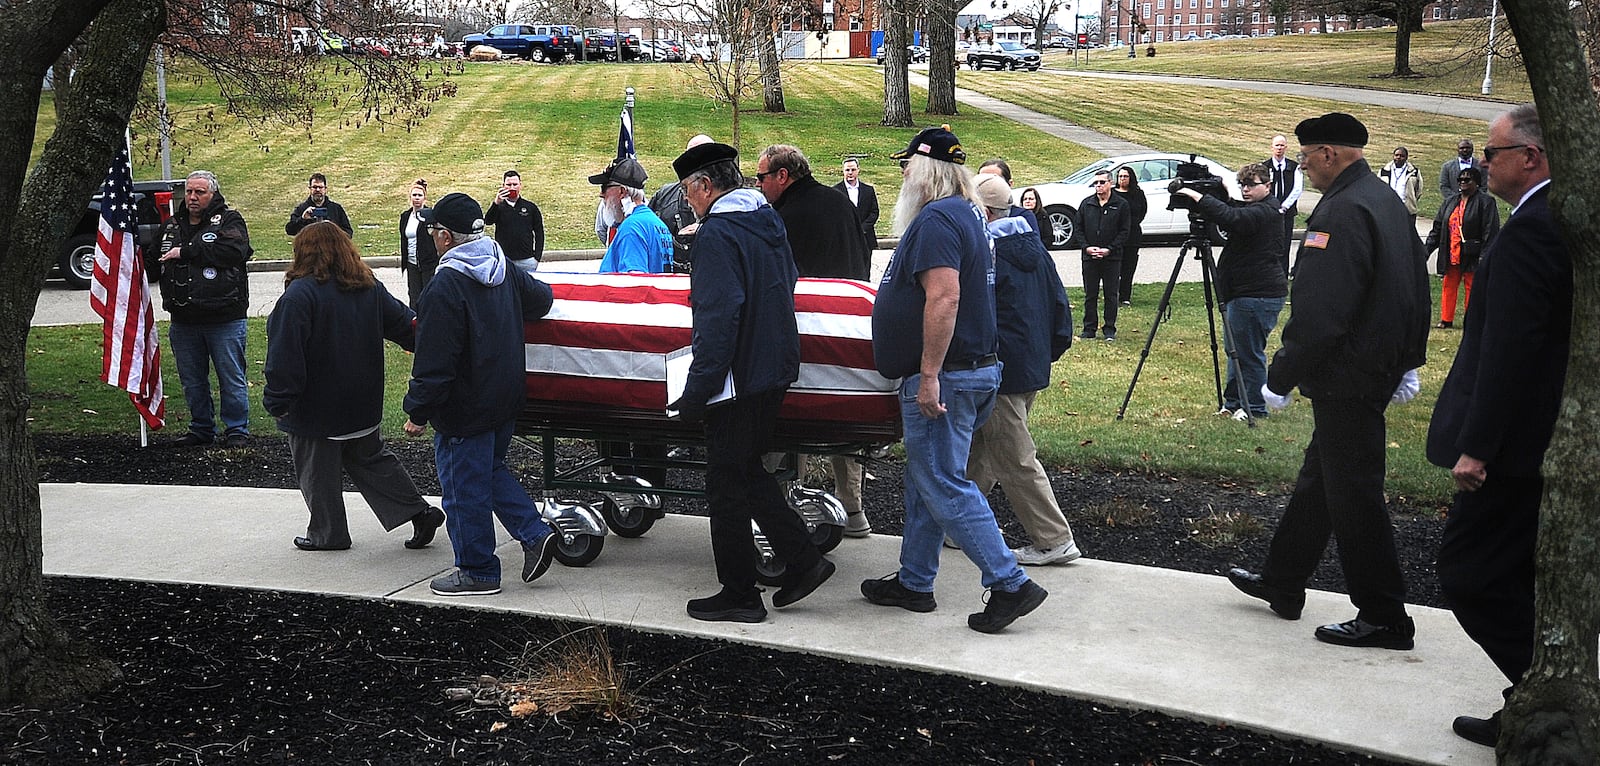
{"x": 1448, "y": 58}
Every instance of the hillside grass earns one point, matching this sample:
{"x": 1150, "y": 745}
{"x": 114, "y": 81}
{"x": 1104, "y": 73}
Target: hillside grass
{"x": 1448, "y": 58}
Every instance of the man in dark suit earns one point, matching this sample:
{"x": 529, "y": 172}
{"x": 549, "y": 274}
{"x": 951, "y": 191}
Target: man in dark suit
{"x": 865, "y": 198}
{"x": 1491, "y": 428}
{"x": 1286, "y": 189}
{"x": 1451, "y": 169}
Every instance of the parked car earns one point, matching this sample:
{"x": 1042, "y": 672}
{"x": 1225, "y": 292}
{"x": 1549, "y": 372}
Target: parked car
{"x": 608, "y": 45}
{"x": 1005, "y": 55}
{"x": 418, "y": 40}
{"x": 535, "y": 42}
{"x": 153, "y": 204}
{"x": 665, "y": 51}
{"x": 371, "y": 46}
{"x": 915, "y": 54}
{"x": 1153, "y": 169}
{"x": 697, "y": 53}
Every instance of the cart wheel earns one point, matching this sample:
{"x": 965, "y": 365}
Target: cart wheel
{"x": 627, "y": 522}
{"x": 827, "y": 536}
{"x": 581, "y": 551}
{"x": 769, "y": 572}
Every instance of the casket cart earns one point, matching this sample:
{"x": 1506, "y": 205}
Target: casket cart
{"x": 597, "y": 371}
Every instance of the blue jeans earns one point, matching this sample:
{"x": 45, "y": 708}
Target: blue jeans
{"x": 476, "y": 487}
{"x": 1250, "y": 321}
{"x": 939, "y": 498}
{"x": 197, "y": 348}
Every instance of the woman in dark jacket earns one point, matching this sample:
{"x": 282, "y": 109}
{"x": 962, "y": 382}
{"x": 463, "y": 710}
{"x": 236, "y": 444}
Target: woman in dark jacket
{"x": 1127, "y": 184}
{"x": 418, "y": 256}
{"x": 1465, "y": 224}
{"x": 1029, "y": 201}
{"x": 324, "y": 384}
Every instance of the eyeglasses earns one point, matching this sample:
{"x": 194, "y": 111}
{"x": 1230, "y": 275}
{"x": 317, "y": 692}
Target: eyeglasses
{"x": 1465, "y": 180}
{"x": 1099, "y": 183}
{"x": 1490, "y": 151}
{"x": 1248, "y": 184}
{"x": 763, "y": 176}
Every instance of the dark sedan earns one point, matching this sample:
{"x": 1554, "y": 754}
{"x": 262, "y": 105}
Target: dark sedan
{"x": 1006, "y": 55}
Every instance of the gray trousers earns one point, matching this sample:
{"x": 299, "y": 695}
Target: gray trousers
{"x": 320, "y": 466}
{"x": 1003, "y": 452}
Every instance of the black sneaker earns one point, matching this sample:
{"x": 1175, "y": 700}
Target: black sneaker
{"x": 803, "y": 584}
{"x": 236, "y": 440}
{"x": 887, "y": 591}
{"x": 728, "y": 607}
{"x": 536, "y": 558}
{"x": 191, "y": 439}
{"x": 1004, "y": 608}
{"x": 1363, "y": 634}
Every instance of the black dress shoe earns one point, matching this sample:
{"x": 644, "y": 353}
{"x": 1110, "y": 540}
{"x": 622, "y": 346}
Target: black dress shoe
{"x": 1284, "y": 602}
{"x": 423, "y": 526}
{"x": 1361, "y": 633}
{"x": 1482, "y": 731}
{"x": 305, "y": 544}
{"x": 803, "y": 584}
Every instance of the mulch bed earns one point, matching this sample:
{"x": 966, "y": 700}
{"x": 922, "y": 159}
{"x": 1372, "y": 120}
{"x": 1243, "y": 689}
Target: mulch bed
{"x": 214, "y": 675}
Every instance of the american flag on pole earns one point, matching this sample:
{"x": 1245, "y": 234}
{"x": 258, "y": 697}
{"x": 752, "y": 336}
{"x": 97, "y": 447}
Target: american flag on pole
{"x": 624, "y": 150}
{"x": 119, "y": 294}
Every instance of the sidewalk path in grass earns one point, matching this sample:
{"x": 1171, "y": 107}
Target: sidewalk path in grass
{"x": 1184, "y": 644}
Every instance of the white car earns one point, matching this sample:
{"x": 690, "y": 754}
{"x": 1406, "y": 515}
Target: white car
{"x": 1154, "y": 170}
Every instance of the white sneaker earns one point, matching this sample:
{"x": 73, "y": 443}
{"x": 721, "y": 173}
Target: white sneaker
{"x": 1061, "y": 554}
{"x": 1242, "y": 415}
{"x": 1223, "y": 413}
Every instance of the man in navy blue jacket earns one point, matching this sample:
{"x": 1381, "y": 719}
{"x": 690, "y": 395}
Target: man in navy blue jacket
{"x": 742, "y": 295}
{"x": 1491, "y": 427}
{"x": 467, "y": 380}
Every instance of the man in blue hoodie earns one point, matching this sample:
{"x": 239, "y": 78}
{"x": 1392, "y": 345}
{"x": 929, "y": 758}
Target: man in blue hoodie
{"x": 742, "y": 295}
{"x": 467, "y": 380}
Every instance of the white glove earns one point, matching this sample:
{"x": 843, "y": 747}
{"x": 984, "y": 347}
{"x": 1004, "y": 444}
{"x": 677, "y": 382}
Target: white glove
{"x": 1408, "y": 388}
{"x": 1274, "y": 402}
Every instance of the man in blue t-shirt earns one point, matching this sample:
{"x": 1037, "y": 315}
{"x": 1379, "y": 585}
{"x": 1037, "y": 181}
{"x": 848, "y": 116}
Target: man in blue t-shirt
{"x": 642, "y": 242}
{"x": 934, "y": 326}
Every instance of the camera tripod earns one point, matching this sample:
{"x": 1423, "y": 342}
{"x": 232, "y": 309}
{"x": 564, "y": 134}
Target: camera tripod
{"x": 1200, "y": 245}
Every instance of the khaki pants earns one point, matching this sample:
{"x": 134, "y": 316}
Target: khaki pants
{"x": 1003, "y": 453}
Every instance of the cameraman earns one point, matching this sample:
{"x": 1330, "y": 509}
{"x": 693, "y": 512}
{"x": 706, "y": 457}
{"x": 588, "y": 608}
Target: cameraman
{"x": 1250, "y": 283}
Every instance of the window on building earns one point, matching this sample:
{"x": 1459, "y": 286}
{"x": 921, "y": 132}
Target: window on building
{"x": 216, "y": 16}
{"x": 1208, "y": 18}
{"x": 1162, "y": 4}
{"x": 855, "y": 23}
{"x": 1255, "y": 18}
{"x": 265, "y": 20}
{"x": 1194, "y": 18}
{"x": 1146, "y": 10}
{"x": 1161, "y": 18}
{"x": 1161, "y": 36}
{"x": 1436, "y": 15}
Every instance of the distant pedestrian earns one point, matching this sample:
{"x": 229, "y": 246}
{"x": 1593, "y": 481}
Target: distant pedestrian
{"x": 865, "y": 198}
{"x": 1405, "y": 180}
{"x": 1466, "y": 223}
{"x": 1287, "y": 186}
{"x": 518, "y": 224}
{"x": 1127, "y": 187}
{"x": 1450, "y": 171}
{"x": 1105, "y": 221}
{"x": 1029, "y": 200}
{"x": 324, "y": 384}
{"x": 418, "y": 257}
{"x": 468, "y": 382}
{"x": 317, "y": 207}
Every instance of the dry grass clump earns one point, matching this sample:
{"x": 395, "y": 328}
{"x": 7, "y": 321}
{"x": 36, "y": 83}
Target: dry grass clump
{"x": 1121, "y": 512}
{"x": 577, "y": 670}
{"x": 1226, "y": 528}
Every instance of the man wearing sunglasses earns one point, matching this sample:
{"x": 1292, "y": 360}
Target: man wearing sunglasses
{"x": 1107, "y": 222}
{"x": 1490, "y": 427}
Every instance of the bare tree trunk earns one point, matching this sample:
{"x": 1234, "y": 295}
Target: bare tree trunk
{"x": 1403, "y": 28}
{"x": 896, "y": 79}
{"x": 942, "y": 56}
{"x": 767, "y": 53}
{"x": 1553, "y": 716}
{"x": 38, "y": 661}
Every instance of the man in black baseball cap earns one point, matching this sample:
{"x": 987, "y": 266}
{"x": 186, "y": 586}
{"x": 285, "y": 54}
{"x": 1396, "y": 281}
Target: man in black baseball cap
{"x": 467, "y": 380}
{"x": 1359, "y": 322}
{"x": 938, "y": 143}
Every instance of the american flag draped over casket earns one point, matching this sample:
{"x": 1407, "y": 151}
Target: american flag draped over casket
{"x": 606, "y": 339}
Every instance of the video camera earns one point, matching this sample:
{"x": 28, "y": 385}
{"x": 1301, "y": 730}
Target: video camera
{"x": 1193, "y": 175}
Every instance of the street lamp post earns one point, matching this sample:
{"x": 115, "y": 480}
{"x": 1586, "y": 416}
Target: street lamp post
{"x": 1488, "y": 59}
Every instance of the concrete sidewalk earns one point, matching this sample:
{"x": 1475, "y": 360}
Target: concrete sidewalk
{"x": 1140, "y": 637}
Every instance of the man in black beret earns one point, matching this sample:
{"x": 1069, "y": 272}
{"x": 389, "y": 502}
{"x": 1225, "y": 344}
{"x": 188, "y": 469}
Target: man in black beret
{"x": 1359, "y": 323}
{"x": 746, "y": 340}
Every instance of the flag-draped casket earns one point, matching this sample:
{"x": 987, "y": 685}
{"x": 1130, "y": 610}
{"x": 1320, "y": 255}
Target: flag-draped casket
{"x": 606, "y": 339}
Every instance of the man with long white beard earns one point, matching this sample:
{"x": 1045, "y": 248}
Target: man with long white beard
{"x": 933, "y": 326}
{"x": 642, "y": 243}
